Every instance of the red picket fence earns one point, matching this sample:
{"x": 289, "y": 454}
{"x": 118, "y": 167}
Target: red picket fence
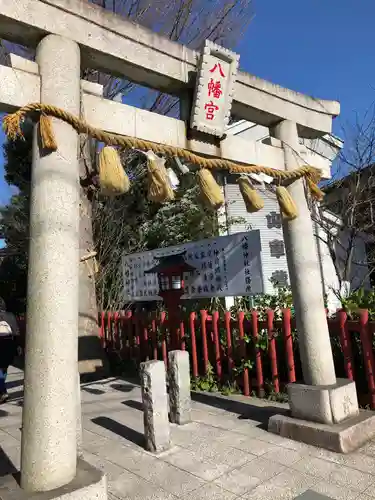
{"x": 259, "y": 352}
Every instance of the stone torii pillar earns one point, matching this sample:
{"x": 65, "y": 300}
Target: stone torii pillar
{"x": 305, "y": 277}
{"x": 49, "y": 427}
{"x": 322, "y": 400}
{"x": 49, "y": 457}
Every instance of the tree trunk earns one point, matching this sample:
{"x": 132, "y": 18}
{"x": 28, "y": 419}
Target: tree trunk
{"x": 92, "y": 361}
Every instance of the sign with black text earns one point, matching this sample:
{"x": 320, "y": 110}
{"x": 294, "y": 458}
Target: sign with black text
{"x": 225, "y": 266}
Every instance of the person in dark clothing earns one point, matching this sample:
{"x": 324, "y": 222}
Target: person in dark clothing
{"x": 9, "y": 334}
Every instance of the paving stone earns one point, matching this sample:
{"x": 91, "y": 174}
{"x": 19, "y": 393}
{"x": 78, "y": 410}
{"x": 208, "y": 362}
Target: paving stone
{"x": 208, "y": 431}
{"x": 170, "y": 478}
{"x": 112, "y": 470}
{"x": 283, "y": 456}
{"x": 188, "y": 461}
{"x": 296, "y": 445}
{"x": 333, "y": 472}
{"x": 193, "y": 434}
{"x": 335, "y": 491}
{"x": 229, "y": 437}
{"x": 275, "y": 439}
{"x": 96, "y": 407}
{"x": 263, "y": 435}
{"x": 254, "y": 446}
{"x": 207, "y": 408}
{"x": 359, "y": 461}
{"x": 368, "y": 449}
{"x": 248, "y": 427}
{"x": 127, "y": 457}
{"x": 210, "y": 492}
{"x": 247, "y": 477}
{"x": 370, "y": 491}
{"x": 111, "y": 496}
{"x": 214, "y": 451}
{"x": 11, "y": 424}
{"x": 13, "y": 430}
{"x": 91, "y": 439}
{"x": 130, "y": 486}
{"x": 285, "y": 486}
{"x": 221, "y": 421}
{"x": 7, "y": 439}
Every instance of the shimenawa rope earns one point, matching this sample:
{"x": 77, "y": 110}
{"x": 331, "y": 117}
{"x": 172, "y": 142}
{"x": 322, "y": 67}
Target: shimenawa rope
{"x": 12, "y": 127}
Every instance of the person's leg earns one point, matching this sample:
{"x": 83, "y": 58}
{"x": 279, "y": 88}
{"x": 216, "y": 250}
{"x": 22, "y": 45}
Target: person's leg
{"x": 5, "y": 372}
{"x": 3, "y": 390}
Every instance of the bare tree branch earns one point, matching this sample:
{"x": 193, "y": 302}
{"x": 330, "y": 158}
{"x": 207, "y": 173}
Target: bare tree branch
{"x": 346, "y": 217}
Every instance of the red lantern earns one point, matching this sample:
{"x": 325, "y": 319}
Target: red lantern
{"x": 171, "y": 270}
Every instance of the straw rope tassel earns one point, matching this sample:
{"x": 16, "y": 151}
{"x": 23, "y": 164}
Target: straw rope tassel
{"x": 11, "y": 124}
{"x": 112, "y": 176}
{"x": 47, "y": 136}
{"x": 315, "y": 191}
{"x": 251, "y": 197}
{"x": 211, "y": 192}
{"x": 287, "y": 206}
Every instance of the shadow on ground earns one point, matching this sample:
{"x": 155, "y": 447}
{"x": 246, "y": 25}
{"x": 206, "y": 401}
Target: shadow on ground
{"x": 15, "y": 395}
{"x": 14, "y": 383}
{"x": 136, "y": 405}
{"x": 245, "y": 411}
{"x": 6, "y": 465}
{"x": 123, "y": 387}
{"x": 91, "y": 390}
{"x": 120, "y": 429}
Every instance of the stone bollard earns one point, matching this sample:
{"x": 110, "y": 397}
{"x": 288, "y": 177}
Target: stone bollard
{"x": 155, "y": 406}
{"x": 179, "y": 387}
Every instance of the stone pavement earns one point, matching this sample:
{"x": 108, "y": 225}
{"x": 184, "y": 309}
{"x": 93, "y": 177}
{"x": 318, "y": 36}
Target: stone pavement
{"x": 223, "y": 455}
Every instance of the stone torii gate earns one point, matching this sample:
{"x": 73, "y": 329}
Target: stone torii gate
{"x": 68, "y": 34}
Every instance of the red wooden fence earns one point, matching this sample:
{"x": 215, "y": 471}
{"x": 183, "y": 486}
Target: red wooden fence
{"x": 257, "y": 351}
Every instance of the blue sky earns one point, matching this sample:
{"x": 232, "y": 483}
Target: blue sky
{"x": 323, "y": 48}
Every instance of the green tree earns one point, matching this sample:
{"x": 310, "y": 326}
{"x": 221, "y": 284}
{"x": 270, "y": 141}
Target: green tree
{"x": 14, "y": 224}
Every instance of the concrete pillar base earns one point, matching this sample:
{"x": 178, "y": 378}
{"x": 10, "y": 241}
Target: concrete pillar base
{"x": 344, "y": 437}
{"x": 89, "y": 484}
{"x": 330, "y": 404}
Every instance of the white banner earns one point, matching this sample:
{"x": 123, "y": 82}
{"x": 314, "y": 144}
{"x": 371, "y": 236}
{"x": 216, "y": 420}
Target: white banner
{"x": 225, "y": 266}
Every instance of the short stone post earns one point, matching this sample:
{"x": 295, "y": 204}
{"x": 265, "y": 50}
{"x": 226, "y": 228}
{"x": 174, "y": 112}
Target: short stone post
{"x": 179, "y": 387}
{"x": 49, "y": 435}
{"x": 155, "y": 406}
